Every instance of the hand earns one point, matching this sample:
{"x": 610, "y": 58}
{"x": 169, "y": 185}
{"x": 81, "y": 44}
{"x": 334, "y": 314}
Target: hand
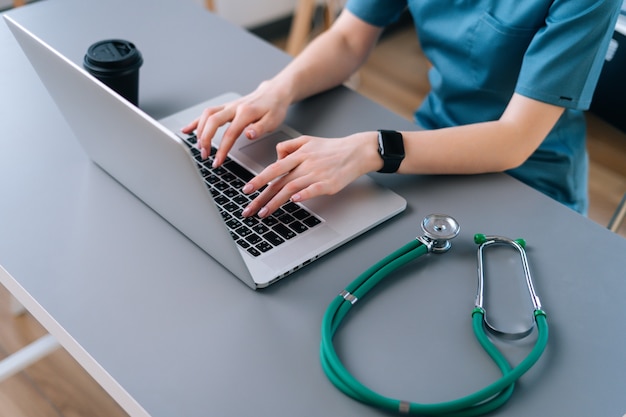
{"x": 310, "y": 166}
{"x": 254, "y": 115}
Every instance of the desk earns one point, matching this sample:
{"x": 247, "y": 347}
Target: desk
{"x": 168, "y": 332}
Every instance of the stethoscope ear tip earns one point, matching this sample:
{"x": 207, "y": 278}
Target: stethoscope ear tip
{"x": 480, "y": 238}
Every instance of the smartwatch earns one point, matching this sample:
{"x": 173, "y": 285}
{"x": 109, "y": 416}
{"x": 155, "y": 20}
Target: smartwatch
{"x": 391, "y": 150}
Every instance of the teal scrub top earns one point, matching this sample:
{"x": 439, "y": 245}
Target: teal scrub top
{"x": 482, "y": 51}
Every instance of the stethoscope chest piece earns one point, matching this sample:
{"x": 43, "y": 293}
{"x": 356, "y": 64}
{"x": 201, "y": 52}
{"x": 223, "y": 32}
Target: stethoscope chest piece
{"x": 439, "y": 229}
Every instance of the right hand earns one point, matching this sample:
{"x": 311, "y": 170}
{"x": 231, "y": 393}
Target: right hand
{"x": 255, "y": 114}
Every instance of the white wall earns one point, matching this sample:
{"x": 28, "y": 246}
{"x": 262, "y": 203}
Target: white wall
{"x": 250, "y": 13}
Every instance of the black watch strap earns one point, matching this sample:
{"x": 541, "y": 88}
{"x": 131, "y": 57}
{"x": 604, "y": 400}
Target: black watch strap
{"x": 391, "y": 150}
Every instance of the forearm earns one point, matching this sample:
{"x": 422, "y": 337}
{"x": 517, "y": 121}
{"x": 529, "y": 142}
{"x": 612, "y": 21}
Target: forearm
{"x": 477, "y": 148}
{"x": 470, "y": 149}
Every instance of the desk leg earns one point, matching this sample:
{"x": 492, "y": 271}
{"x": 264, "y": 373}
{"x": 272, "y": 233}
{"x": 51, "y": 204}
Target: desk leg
{"x": 27, "y": 356}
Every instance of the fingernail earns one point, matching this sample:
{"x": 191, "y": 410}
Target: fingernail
{"x": 251, "y": 134}
{"x": 247, "y": 189}
{"x": 203, "y": 153}
{"x": 296, "y": 197}
{"x": 263, "y": 212}
{"x": 246, "y": 212}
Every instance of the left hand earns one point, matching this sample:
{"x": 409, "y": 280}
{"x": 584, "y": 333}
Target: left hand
{"x": 309, "y": 166}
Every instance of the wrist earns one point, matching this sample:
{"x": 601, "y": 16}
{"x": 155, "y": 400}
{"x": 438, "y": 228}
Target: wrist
{"x": 372, "y": 162}
{"x": 287, "y": 85}
{"x": 362, "y": 152}
{"x": 279, "y": 89}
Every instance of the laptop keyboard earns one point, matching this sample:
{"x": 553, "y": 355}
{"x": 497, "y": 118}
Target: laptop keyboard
{"x": 257, "y": 236}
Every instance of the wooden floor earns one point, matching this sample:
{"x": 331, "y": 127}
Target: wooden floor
{"x": 57, "y": 386}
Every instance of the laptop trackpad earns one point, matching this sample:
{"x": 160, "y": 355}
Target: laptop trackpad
{"x": 263, "y": 150}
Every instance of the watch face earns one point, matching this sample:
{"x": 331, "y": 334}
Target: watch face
{"x": 391, "y": 149}
{"x": 391, "y": 144}
{"x": 394, "y": 149}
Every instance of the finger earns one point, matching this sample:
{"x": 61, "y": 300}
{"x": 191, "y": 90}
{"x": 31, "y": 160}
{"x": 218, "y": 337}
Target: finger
{"x": 243, "y": 116}
{"x": 273, "y": 179}
{"x": 210, "y": 127}
{"x": 271, "y": 173}
{"x": 256, "y": 129}
{"x": 284, "y": 190}
{"x": 267, "y": 202}
{"x": 266, "y": 123}
{"x": 206, "y": 113}
{"x": 255, "y": 205}
{"x": 200, "y": 128}
{"x": 314, "y": 190}
{"x": 190, "y": 127}
{"x": 208, "y": 121}
{"x": 287, "y": 147}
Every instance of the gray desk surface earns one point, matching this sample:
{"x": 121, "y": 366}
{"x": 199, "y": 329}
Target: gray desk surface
{"x": 168, "y": 332}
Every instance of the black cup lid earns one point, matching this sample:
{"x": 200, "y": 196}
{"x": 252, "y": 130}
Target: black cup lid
{"x": 113, "y": 54}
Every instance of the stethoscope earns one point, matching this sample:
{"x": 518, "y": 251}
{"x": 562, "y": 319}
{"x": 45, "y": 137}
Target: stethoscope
{"x": 438, "y": 231}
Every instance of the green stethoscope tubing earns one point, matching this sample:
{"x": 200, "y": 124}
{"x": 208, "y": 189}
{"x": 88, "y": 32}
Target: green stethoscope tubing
{"x": 480, "y": 402}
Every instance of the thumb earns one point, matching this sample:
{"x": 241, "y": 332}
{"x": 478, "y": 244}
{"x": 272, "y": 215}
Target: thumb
{"x": 265, "y": 124}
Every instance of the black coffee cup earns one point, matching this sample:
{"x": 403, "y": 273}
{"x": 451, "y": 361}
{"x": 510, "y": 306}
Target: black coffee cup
{"x": 116, "y": 63}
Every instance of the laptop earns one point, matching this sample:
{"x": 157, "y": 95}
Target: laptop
{"x": 161, "y": 166}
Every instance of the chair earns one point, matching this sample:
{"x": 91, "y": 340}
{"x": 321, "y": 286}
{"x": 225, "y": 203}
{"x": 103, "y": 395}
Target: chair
{"x": 29, "y": 354}
{"x": 301, "y": 25}
{"x": 619, "y": 215}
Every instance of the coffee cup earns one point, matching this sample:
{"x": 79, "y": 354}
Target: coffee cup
{"x": 116, "y": 63}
